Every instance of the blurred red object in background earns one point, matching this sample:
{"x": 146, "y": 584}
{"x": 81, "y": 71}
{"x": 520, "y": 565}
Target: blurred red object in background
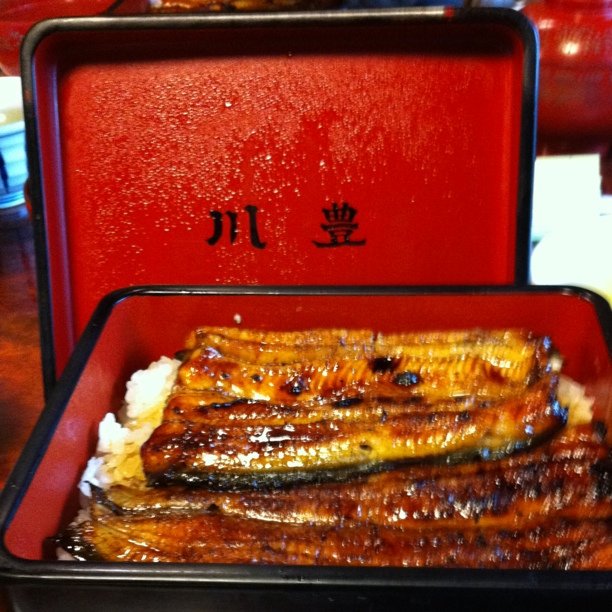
{"x": 575, "y": 93}
{"x": 18, "y": 16}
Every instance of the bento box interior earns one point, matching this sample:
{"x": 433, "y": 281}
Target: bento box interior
{"x": 143, "y": 326}
{"x": 209, "y": 151}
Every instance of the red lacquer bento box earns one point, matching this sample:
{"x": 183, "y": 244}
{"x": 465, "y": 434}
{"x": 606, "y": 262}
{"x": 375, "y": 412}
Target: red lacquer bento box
{"x": 346, "y": 169}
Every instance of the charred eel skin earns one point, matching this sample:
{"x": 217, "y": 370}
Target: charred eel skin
{"x": 569, "y": 477}
{"x": 549, "y": 508}
{"x": 251, "y": 411}
{"x": 216, "y": 538}
{"x": 339, "y": 444}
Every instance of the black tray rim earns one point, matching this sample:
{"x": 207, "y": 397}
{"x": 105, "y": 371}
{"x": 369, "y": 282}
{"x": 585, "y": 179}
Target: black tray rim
{"x": 14, "y": 570}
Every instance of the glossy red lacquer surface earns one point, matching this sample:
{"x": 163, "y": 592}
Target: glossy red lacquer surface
{"x": 329, "y": 153}
{"x": 575, "y": 113}
{"x": 143, "y": 327}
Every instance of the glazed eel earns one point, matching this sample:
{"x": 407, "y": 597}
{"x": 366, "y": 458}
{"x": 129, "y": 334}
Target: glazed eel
{"x": 569, "y": 477}
{"x": 291, "y": 367}
{"x": 251, "y": 408}
{"x": 547, "y": 508}
{"x": 244, "y": 445}
{"x": 431, "y": 450}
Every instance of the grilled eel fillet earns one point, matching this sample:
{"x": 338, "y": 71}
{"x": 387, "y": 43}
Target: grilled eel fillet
{"x": 268, "y": 409}
{"x": 292, "y": 367}
{"x": 568, "y": 477}
{"x": 550, "y": 507}
{"x": 214, "y": 538}
{"x": 282, "y": 447}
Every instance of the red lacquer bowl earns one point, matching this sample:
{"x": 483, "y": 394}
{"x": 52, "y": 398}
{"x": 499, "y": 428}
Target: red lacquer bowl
{"x": 575, "y": 98}
{"x": 18, "y": 16}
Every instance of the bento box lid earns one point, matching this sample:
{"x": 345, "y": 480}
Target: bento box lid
{"x": 366, "y": 147}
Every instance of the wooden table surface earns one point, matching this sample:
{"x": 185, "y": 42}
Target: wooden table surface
{"x": 21, "y": 393}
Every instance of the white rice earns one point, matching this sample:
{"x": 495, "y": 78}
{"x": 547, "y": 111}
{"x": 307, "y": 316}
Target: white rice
{"x": 117, "y": 459}
{"x": 579, "y": 405}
